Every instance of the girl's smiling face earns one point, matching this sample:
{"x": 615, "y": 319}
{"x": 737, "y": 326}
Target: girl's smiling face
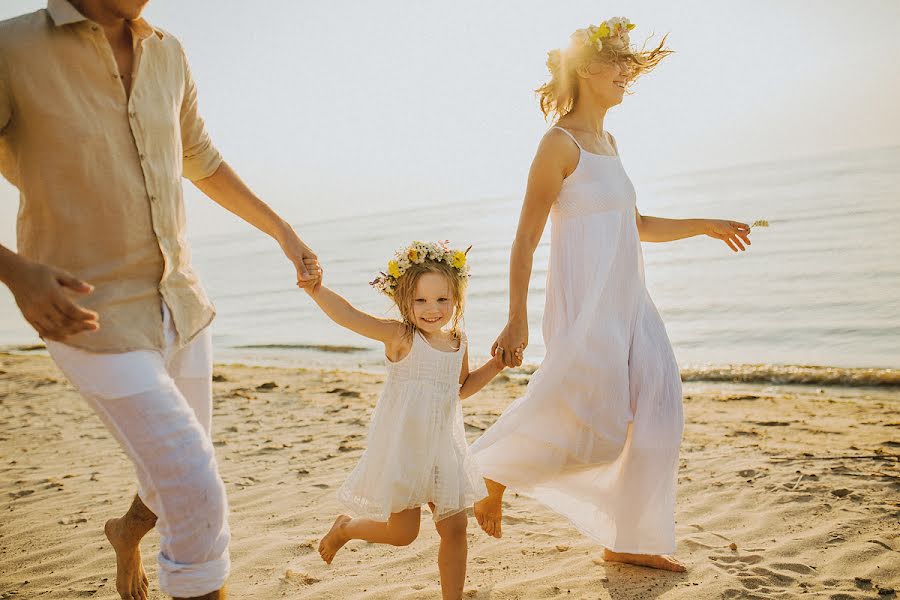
{"x": 433, "y": 302}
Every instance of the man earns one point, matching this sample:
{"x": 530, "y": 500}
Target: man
{"x": 98, "y": 123}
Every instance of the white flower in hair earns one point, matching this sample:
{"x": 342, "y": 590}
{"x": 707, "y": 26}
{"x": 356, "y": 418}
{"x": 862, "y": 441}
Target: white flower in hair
{"x": 582, "y": 36}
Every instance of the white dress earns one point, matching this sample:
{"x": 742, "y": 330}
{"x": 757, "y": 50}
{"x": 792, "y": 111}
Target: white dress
{"x": 416, "y": 450}
{"x": 597, "y": 434}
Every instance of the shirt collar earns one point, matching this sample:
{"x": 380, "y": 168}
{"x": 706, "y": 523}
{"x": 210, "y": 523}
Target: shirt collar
{"x": 63, "y": 13}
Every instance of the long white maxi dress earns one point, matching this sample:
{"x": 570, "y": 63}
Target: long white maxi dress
{"x": 597, "y": 434}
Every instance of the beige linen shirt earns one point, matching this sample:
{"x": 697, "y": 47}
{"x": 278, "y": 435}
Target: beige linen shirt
{"x": 99, "y": 173}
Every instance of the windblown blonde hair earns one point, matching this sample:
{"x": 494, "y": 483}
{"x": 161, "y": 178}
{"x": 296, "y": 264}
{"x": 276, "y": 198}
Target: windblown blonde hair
{"x": 405, "y": 293}
{"x": 559, "y": 96}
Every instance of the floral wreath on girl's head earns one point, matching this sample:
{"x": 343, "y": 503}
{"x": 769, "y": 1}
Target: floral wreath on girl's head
{"x": 415, "y": 254}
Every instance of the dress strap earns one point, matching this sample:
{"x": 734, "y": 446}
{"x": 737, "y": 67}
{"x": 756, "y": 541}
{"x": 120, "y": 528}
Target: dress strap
{"x": 572, "y": 137}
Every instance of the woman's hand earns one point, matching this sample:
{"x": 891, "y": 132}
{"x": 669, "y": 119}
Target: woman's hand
{"x": 511, "y": 343}
{"x": 730, "y": 232}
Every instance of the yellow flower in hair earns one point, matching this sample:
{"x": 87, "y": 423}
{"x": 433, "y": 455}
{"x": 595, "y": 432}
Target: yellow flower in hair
{"x": 394, "y": 268}
{"x": 603, "y": 30}
{"x": 459, "y": 260}
{"x": 413, "y": 255}
{"x": 631, "y": 26}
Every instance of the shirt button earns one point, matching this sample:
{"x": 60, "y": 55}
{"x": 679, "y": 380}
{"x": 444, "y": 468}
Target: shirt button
{"x": 132, "y": 114}
{"x": 142, "y": 156}
{"x": 94, "y": 28}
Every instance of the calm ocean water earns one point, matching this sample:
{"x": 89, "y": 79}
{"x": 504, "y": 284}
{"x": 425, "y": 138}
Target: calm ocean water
{"x": 821, "y": 286}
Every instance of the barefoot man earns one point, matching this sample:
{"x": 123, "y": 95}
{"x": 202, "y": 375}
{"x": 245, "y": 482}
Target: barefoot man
{"x": 98, "y": 123}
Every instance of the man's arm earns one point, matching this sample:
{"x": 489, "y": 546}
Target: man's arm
{"x": 228, "y": 190}
{"x": 203, "y": 165}
{"x": 39, "y": 290}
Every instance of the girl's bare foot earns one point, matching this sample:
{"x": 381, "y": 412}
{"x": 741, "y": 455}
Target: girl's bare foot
{"x": 489, "y": 511}
{"x": 131, "y": 581}
{"x": 334, "y": 540}
{"x": 654, "y": 561}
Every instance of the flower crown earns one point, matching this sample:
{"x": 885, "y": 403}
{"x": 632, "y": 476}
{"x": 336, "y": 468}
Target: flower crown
{"x": 593, "y": 35}
{"x": 415, "y": 254}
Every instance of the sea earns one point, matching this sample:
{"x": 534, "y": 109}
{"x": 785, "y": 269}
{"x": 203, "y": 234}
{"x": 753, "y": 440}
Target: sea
{"x": 815, "y": 299}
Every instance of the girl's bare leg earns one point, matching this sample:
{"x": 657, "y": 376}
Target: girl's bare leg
{"x": 452, "y": 555}
{"x": 399, "y": 530}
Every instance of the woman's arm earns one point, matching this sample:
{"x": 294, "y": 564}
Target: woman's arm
{"x": 472, "y": 382}
{"x": 556, "y": 157}
{"x": 657, "y": 229}
{"x": 346, "y": 315}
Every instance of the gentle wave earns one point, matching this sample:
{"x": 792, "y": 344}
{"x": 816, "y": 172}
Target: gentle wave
{"x": 317, "y": 347}
{"x": 794, "y": 374}
{"x": 781, "y": 375}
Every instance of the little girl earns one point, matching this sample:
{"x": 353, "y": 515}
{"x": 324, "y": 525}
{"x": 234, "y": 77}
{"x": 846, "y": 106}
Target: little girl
{"x": 416, "y": 451}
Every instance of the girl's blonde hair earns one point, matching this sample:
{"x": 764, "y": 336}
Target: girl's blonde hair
{"x": 405, "y": 293}
{"x": 559, "y": 96}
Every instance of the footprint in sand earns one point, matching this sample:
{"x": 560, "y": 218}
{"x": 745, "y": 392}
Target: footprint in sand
{"x": 756, "y": 579}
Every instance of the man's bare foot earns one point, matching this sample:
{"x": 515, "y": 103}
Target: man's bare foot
{"x": 131, "y": 581}
{"x": 489, "y": 511}
{"x": 654, "y": 561}
{"x": 334, "y": 540}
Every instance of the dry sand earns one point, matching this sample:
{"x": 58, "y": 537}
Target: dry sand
{"x": 821, "y": 524}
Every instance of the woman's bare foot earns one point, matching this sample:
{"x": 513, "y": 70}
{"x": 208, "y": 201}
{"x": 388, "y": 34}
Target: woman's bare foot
{"x": 334, "y": 540}
{"x": 489, "y": 511}
{"x": 654, "y": 561}
{"x": 131, "y": 581}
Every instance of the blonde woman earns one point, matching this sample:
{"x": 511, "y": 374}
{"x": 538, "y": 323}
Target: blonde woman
{"x": 597, "y": 434}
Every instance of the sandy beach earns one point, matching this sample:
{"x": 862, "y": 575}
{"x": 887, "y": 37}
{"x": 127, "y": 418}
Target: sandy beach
{"x": 785, "y": 491}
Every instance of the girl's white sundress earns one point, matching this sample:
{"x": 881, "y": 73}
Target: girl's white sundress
{"x": 597, "y": 434}
{"x": 416, "y": 450}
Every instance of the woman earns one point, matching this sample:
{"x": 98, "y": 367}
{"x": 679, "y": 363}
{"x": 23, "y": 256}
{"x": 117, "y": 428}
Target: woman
{"x": 597, "y": 434}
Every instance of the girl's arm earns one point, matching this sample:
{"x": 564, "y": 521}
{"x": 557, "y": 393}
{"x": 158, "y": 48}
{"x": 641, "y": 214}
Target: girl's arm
{"x": 480, "y": 377}
{"x": 346, "y": 315}
{"x": 658, "y": 229}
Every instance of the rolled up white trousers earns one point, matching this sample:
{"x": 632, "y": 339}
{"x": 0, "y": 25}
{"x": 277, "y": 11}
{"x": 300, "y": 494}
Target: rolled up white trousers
{"x": 158, "y": 406}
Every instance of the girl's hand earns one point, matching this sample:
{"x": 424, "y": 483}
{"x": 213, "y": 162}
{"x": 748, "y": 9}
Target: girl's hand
{"x": 511, "y": 343}
{"x": 730, "y": 232}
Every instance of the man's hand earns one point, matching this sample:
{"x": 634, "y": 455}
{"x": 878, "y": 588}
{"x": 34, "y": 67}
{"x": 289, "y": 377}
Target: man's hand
{"x": 302, "y": 256}
{"x": 313, "y": 269}
{"x": 42, "y": 295}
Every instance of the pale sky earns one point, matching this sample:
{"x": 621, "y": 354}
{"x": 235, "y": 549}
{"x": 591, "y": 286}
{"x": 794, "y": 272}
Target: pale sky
{"x": 334, "y": 108}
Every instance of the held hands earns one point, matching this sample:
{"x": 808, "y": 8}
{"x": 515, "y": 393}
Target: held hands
{"x": 41, "y": 294}
{"x": 511, "y": 343}
{"x": 730, "y": 232}
{"x": 309, "y": 271}
{"x": 315, "y": 272}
